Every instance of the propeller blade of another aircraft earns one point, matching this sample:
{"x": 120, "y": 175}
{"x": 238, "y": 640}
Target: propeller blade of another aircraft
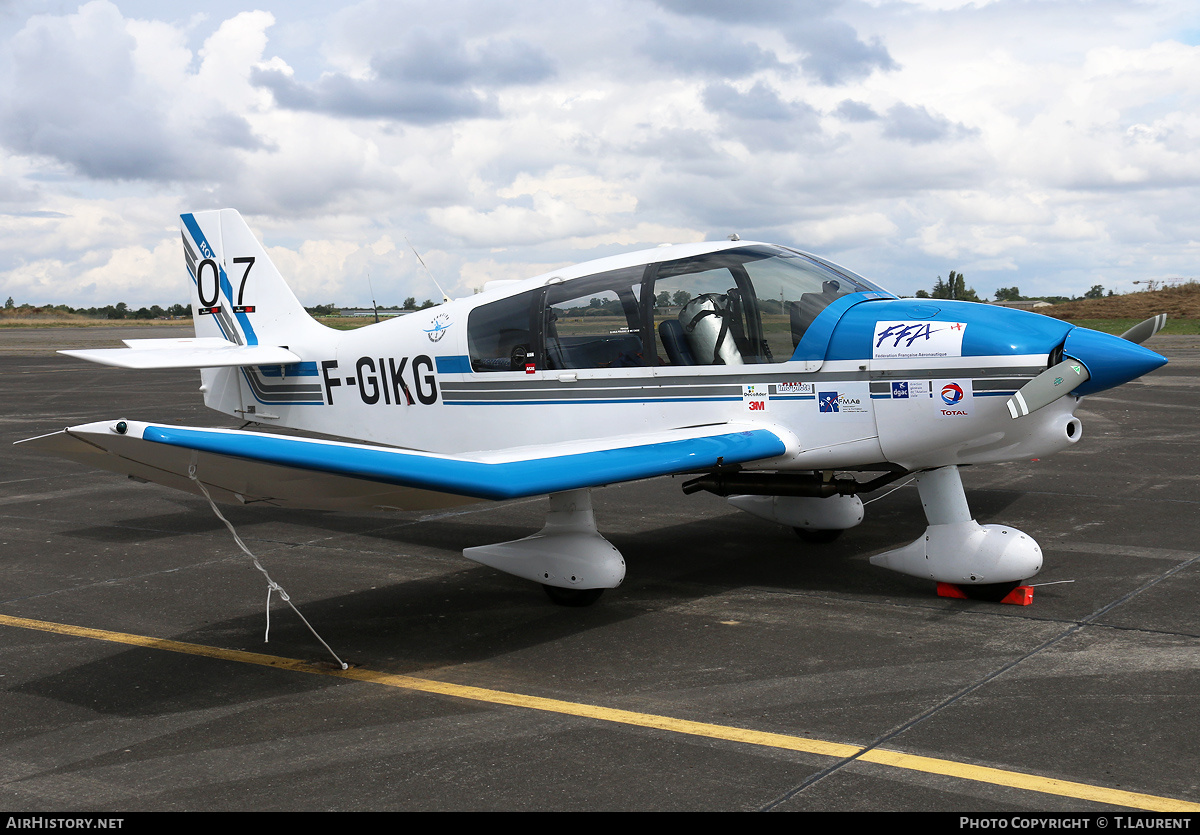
{"x": 1142, "y": 331}
{"x": 1047, "y": 387}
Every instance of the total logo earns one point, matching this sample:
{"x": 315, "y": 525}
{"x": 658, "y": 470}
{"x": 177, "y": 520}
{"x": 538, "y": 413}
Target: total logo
{"x": 956, "y": 402}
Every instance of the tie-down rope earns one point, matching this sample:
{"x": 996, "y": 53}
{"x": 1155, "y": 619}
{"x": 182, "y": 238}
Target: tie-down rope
{"x": 272, "y": 586}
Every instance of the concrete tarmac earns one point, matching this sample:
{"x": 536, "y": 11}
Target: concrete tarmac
{"x": 735, "y": 669}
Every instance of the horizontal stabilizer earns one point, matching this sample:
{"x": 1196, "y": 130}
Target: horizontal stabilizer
{"x": 309, "y": 473}
{"x": 203, "y": 352}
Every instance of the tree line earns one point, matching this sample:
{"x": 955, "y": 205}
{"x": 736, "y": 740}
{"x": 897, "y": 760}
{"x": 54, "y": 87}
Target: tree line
{"x": 120, "y": 310}
{"x": 956, "y": 288}
{"x": 953, "y": 288}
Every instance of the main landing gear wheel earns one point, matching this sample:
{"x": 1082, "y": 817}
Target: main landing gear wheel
{"x": 572, "y": 597}
{"x": 818, "y": 537}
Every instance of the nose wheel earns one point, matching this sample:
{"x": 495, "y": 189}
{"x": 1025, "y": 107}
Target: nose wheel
{"x": 814, "y": 536}
{"x": 572, "y": 597}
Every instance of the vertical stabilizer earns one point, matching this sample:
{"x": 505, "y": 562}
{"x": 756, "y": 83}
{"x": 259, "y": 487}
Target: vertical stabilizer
{"x": 237, "y": 294}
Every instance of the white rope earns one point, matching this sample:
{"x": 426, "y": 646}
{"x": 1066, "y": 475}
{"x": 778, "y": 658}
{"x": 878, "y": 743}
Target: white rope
{"x": 889, "y": 492}
{"x": 272, "y": 586}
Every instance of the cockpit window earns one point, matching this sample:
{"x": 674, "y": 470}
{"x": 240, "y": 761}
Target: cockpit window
{"x": 751, "y": 304}
{"x": 595, "y": 322}
{"x": 501, "y": 336}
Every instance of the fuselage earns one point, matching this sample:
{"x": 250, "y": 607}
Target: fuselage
{"x": 678, "y": 337}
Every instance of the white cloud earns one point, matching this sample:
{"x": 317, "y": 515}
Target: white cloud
{"x": 850, "y": 229}
{"x": 475, "y": 274}
{"x": 1023, "y": 139}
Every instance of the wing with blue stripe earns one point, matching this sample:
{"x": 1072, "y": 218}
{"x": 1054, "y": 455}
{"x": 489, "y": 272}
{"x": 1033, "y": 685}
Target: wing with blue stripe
{"x": 566, "y": 468}
{"x": 328, "y": 475}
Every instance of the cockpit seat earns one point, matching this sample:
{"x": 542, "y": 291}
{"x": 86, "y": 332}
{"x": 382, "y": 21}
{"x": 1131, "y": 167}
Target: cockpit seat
{"x": 675, "y": 343}
{"x": 811, "y": 304}
{"x": 708, "y": 325}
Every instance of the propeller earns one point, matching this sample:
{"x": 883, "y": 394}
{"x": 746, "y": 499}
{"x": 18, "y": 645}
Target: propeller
{"x": 1070, "y": 374}
{"x": 1047, "y": 387}
{"x": 1142, "y": 331}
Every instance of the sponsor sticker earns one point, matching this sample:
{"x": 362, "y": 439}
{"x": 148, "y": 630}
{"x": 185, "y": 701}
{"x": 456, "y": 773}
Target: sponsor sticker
{"x": 842, "y": 403}
{"x": 793, "y": 388}
{"x": 952, "y": 398}
{"x": 917, "y": 339}
{"x": 755, "y": 397}
{"x": 909, "y": 389}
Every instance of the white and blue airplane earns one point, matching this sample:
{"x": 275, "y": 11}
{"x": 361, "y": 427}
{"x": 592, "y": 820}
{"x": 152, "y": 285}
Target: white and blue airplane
{"x": 769, "y": 375}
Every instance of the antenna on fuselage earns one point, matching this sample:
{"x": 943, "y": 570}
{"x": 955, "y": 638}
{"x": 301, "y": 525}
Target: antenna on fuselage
{"x": 445, "y": 298}
{"x": 374, "y": 306}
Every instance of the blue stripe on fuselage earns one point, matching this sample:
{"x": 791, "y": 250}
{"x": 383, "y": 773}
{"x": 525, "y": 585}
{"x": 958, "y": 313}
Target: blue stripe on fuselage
{"x": 295, "y": 369}
{"x": 459, "y": 364}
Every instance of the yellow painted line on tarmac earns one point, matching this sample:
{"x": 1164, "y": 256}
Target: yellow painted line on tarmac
{"x": 879, "y": 756}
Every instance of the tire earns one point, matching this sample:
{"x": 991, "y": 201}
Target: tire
{"x": 818, "y": 537}
{"x": 572, "y": 597}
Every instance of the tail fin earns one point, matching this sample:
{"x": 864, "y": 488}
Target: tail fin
{"x": 237, "y": 294}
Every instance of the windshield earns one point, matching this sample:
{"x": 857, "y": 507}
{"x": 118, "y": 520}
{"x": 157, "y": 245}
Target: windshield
{"x": 746, "y": 305}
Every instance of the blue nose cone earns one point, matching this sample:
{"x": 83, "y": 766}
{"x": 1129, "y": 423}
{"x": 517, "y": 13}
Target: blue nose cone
{"x": 1110, "y": 360}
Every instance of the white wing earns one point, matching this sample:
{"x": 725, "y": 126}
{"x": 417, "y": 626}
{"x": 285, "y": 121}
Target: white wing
{"x": 303, "y": 472}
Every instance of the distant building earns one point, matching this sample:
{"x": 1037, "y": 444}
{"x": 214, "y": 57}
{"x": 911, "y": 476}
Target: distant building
{"x": 366, "y": 311}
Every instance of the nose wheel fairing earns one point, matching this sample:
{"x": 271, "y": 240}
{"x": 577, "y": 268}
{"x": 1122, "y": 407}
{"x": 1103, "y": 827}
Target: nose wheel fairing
{"x": 957, "y": 549}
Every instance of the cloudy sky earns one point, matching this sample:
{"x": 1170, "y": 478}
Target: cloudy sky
{"x": 1047, "y": 144}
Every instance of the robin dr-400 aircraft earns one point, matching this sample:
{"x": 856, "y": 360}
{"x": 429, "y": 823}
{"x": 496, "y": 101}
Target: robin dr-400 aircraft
{"x": 769, "y": 375}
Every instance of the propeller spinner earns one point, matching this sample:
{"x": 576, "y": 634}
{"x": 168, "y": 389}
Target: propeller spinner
{"x": 1105, "y": 360}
